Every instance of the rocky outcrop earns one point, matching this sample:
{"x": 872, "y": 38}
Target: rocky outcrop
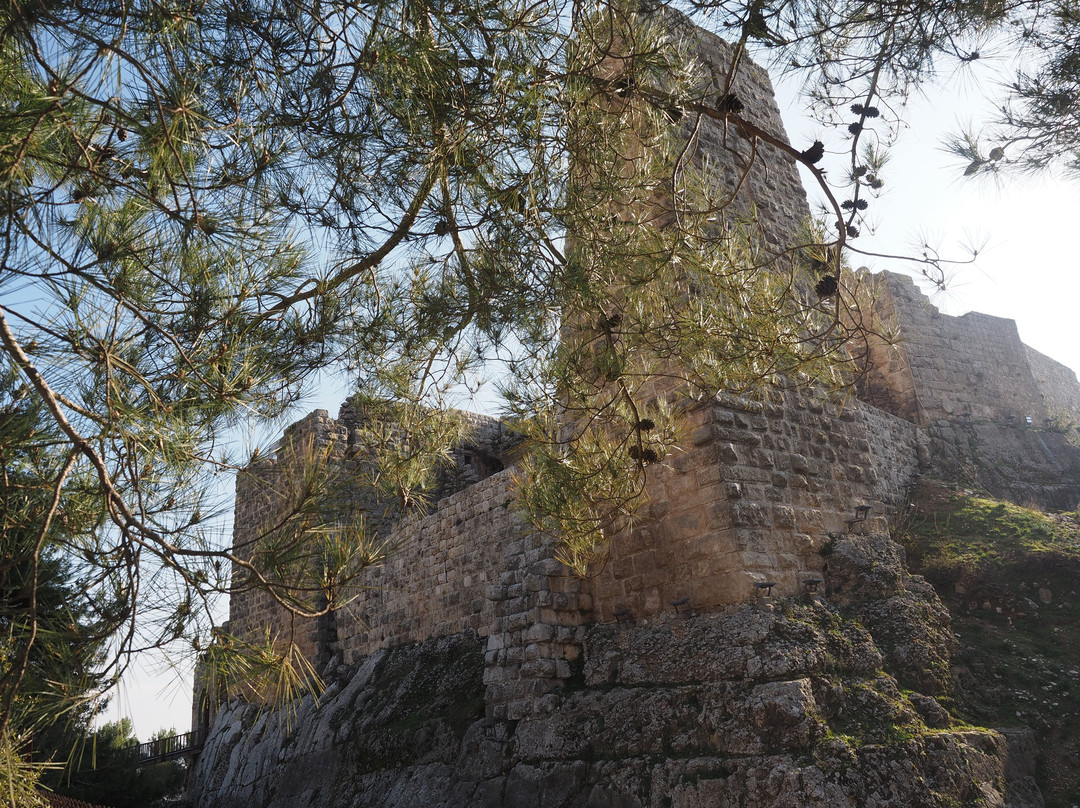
{"x": 792, "y": 705}
{"x": 869, "y": 578}
{"x": 1011, "y": 461}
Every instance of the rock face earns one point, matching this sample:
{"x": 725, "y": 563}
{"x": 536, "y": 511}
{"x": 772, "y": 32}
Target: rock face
{"x": 791, "y": 705}
{"x": 910, "y": 624}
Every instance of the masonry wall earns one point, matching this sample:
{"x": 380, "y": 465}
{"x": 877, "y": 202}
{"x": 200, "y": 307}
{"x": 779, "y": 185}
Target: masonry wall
{"x": 435, "y": 578}
{"x": 896, "y": 453}
{"x": 991, "y": 409}
{"x": 421, "y": 552}
{"x": 941, "y": 367}
{"x": 472, "y": 565}
{"x": 754, "y": 499}
{"x": 1058, "y": 386}
{"x": 759, "y": 177}
{"x": 263, "y": 494}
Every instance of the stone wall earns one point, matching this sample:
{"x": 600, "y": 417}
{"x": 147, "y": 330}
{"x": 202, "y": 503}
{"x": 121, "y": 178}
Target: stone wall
{"x": 262, "y": 495}
{"x": 472, "y": 565}
{"x": 1058, "y": 386}
{"x": 991, "y": 410}
{"x": 753, "y": 499}
{"x": 897, "y": 453}
{"x": 435, "y": 577}
{"x": 941, "y": 367}
{"x": 759, "y": 177}
{"x": 433, "y": 581}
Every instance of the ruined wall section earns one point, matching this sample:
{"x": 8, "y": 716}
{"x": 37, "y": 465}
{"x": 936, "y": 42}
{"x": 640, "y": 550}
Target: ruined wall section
{"x": 949, "y": 368}
{"x": 761, "y": 178}
{"x": 254, "y": 613}
{"x": 484, "y": 452}
{"x": 986, "y": 402}
{"x": 434, "y": 580}
{"x": 753, "y": 499}
{"x": 1058, "y": 386}
{"x": 472, "y": 565}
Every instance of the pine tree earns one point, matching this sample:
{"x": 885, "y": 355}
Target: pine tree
{"x": 207, "y": 202}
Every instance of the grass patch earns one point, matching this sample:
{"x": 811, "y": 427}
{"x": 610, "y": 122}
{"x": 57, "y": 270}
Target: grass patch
{"x": 952, "y": 529}
{"x": 1010, "y": 576}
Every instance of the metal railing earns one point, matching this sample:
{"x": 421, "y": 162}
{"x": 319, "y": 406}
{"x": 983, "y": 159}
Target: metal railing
{"x": 175, "y": 746}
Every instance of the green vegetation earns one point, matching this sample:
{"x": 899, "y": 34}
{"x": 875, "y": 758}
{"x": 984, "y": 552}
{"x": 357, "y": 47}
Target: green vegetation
{"x": 951, "y": 533}
{"x": 19, "y": 777}
{"x": 1011, "y": 579}
{"x": 103, "y": 770}
{"x": 205, "y": 204}
{"x": 979, "y": 551}
{"x": 868, "y": 710}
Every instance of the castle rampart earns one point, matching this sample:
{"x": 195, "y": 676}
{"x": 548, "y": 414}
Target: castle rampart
{"x": 757, "y": 492}
{"x": 766, "y": 179}
{"x": 939, "y": 367}
{"x": 754, "y": 498}
{"x": 992, "y": 412}
{"x": 1058, "y": 387}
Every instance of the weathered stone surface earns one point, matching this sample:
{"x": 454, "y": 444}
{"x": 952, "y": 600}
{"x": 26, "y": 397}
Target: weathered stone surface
{"x": 802, "y": 717}
{"x": 868, "y": 575}
{"x": 393, "y": 725}
{"x": 859, "y": 568}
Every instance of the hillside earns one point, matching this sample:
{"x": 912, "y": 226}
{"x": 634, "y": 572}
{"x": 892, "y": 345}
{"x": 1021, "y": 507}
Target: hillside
{"x": 1010, "y": 576}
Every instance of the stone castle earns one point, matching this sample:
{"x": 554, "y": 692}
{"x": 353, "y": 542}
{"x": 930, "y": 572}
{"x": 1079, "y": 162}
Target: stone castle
{"x": 744, "y": 511}
{"x": 753, "y": 498}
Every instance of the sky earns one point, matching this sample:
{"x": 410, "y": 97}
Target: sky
{"x": 1026, "y": 229}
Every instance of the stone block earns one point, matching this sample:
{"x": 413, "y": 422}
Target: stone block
{"x": 749, "y": 513}
{"x": 783, "y": 516}
{"x": 540, "y": 668}
{"x": 517, "y": 621}
{"x": 541, "y": 632}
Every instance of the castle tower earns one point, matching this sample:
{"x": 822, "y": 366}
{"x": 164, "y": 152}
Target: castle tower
{"x": 759, "y": 484}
